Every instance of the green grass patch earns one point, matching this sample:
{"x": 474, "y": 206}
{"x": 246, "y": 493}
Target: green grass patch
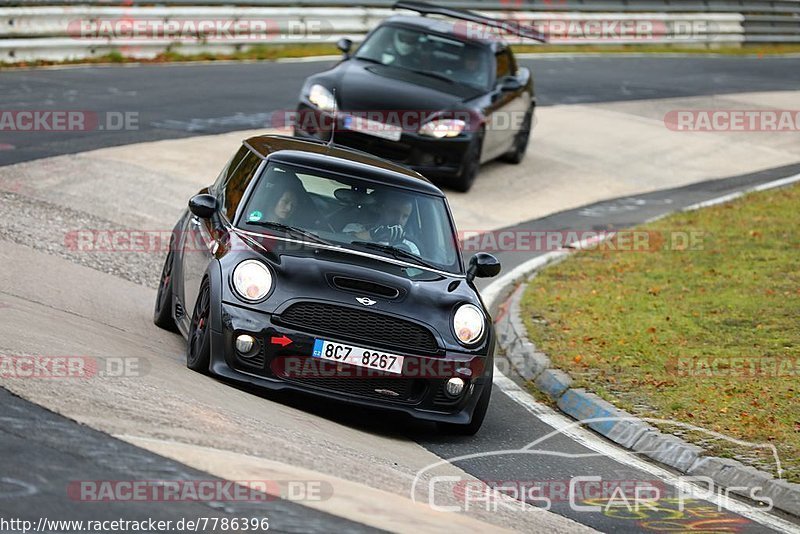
{"x": 673, "y": 333}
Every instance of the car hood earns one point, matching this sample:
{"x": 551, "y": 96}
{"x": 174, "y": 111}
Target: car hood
{"x": 364, "y": 86}
{"x": 309, "y": 273}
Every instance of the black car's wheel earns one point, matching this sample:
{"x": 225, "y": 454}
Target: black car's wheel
{"x": 463, "y": 182}
{"x": 471, "y": 428}
{"x": 517, "y": 152}
{"x": 198, "y": 350}
{"x": 162, "y": 314}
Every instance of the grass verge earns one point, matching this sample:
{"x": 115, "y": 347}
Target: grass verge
{"x": 707, "y": 335}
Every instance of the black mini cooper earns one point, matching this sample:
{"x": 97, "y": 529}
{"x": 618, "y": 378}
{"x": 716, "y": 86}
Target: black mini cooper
{"x": 320, "y": 269}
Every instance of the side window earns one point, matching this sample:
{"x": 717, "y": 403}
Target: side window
{"x": 237, "y": 183}
{"x": 505, "y": 64}
{"x": 228, "y": 170}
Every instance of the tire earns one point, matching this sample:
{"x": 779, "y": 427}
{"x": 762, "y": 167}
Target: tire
{"x": 198, "y": 347}
{"x": 517, "y": 152}
{"x": 463, "y": 182}
{"x": 471, "y": 428}
{"x": 162, "y": 314}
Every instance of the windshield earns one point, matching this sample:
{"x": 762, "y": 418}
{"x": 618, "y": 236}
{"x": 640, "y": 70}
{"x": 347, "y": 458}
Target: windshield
{"x": 428, "y": 53}
{"x": 361, "y": 215}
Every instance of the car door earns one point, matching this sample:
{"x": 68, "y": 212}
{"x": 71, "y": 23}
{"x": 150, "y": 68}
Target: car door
{"x": 200, "y": 244}
{"x": 508, "y": 105}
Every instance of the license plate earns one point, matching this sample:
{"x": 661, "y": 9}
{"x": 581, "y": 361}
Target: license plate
{"x": 374, "y": 128}
{"x": 372, "y": 359}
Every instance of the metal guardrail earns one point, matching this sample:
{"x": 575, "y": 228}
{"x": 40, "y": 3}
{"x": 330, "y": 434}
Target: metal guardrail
{"x": 62, "y": 29}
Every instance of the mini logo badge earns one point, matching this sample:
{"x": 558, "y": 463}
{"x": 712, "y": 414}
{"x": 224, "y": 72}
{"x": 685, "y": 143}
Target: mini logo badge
{"x": 366, "y": 301}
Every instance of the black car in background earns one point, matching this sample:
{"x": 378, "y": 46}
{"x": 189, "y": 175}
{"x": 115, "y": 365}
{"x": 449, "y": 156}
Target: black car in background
{"x": 314, "y": 268}
{"x": 439, "y": 96}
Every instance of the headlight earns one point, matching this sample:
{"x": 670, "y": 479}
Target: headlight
{"x": 321, "y": 97}
{"x": 443, "y": 128}
{"x": 252, "y": 280}
{"x": 468, "y": 323}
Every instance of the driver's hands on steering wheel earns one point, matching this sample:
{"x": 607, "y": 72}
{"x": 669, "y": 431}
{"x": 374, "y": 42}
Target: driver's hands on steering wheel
{"x": 389, "y": 234}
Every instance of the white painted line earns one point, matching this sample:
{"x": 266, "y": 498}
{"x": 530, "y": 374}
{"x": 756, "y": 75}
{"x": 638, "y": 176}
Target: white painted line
{"x": 591, "y": 440}
{"x": 733, "y": 196}
{"x": 642, "y": 55}
{"x": 714, "y": 201}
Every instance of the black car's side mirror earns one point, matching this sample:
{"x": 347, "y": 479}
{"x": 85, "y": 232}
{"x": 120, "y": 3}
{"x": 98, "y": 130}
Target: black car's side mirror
{"x": 483, "y": 265}
{"x": 203, "y": 206}
{"x": 344, "y": 45}
{"x": 510, "y": 83}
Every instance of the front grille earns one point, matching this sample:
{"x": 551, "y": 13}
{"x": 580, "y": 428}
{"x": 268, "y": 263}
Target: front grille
{"x": 405, "y": 390}
{"x": 359, "y": 325}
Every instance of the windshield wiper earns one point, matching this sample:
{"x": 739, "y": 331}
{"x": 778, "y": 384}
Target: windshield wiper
{"x": 370, "y": 60}
{"x": 431, "y": 74}
{"x": 398, "y": 253}
{"x": 291, "y": 230}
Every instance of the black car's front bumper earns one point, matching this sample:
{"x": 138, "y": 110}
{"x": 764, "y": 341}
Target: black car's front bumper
{"x": 419, "y": 391}
{"x": 427, "y": 155}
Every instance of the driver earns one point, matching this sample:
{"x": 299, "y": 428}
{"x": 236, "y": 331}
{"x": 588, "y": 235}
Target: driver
{"x": 403, "y": 49}
{"x": 390, "y": 227}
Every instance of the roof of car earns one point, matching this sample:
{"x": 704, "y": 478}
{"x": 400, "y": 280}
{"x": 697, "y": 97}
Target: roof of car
{"x": 453, "y": 28}
{"x": 340, "y": 160}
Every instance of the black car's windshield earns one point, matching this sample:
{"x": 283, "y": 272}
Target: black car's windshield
{"x": 313, "y": 206}
{"x": 428, "y": 54}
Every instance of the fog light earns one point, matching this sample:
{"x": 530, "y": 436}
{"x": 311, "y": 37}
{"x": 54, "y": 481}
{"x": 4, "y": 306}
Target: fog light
{"x": 454, "y": 387}
{"x": 245, "y": 344}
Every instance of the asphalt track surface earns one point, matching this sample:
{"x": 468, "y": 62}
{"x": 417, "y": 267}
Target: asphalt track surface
{"x": 183, "y": 100}
{"x": 180, "y": 101}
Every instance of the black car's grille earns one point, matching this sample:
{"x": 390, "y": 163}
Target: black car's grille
{"x": 405, "y": 390}
{"x": 391, "y": 150}
{"x": 360, "y": 326}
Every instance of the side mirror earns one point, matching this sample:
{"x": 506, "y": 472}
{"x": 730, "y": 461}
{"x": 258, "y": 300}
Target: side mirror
{"x": 483, "y": 265}
{"x": 203, "y": 206}
{"x": 510, "y": 83}
{"x": 344, "y": 45}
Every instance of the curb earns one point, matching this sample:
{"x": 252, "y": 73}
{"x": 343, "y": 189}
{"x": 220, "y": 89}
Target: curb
{"x": 615, "y": 424}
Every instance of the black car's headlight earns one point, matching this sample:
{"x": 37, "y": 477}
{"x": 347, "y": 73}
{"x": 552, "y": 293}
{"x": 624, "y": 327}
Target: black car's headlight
{"x": 468, "y": 324}
{"x": 440, "y": 128}
{"x": 252, "y": 280}
{"x": 321, "y": 98}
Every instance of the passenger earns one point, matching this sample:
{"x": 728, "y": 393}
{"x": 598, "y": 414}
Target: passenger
{"x": 279, "y": 199}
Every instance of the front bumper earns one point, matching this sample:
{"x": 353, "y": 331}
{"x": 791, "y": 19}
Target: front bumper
{"x": 418, "y": 391}
{"x": 429, "y": 156}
